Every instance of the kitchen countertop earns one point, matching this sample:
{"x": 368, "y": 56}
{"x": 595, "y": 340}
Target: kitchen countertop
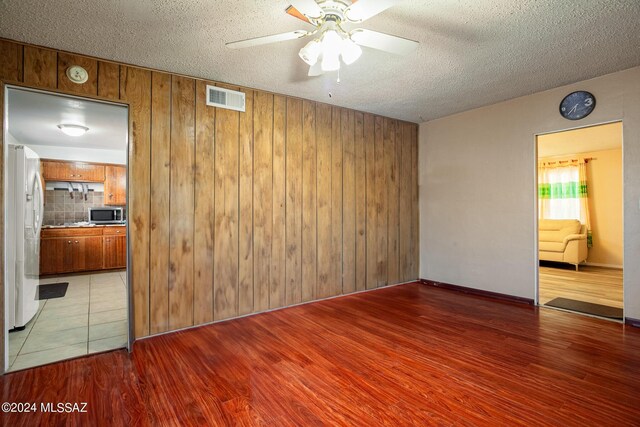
{"x": 84, "y": 225}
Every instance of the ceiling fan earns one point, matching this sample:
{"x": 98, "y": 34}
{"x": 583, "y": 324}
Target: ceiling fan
{"x": 331, "y": 42}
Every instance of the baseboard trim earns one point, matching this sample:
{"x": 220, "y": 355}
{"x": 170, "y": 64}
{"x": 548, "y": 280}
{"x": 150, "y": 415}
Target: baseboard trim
{"x": 478, "y": 292}
{"x": 632, "y": 322}
{"x": 597, "y": 264}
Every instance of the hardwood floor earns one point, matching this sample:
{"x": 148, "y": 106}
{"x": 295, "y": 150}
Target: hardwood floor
{"x": 597, "y": 285}
{"x": 404, "y": 355}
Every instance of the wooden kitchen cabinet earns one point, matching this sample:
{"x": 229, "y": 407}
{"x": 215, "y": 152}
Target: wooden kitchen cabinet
{"x": 52, "y": 170}
{"x": 56, "y": 255}
{"x": 115, "y": 251}
{"x": 87, "y": 253}
{"x": 72, "y": 250}
{"x": 57, "y": 170}
{"x": 89, "y": 172}
{"x": 70, "y": 254}
{"x": 78, "y": 253}
{"x": 115, "y": 185}
{"x": 111, "y": 230}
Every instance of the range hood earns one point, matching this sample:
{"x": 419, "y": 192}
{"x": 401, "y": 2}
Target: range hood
{"x": 77, "y": 186}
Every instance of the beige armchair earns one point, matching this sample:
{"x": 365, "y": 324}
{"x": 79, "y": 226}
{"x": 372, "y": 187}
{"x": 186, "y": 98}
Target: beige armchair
{"x": 562, "y": 240}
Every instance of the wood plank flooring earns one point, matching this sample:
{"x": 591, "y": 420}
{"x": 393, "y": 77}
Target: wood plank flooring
{"x": 404, "y": 355}
{"x": 597, "y": 285}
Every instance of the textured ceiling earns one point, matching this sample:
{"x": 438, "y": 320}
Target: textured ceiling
{"x": 472, "y": 52}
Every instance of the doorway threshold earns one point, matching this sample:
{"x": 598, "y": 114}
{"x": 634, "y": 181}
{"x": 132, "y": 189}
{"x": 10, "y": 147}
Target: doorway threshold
{"x": 621, "y": 321}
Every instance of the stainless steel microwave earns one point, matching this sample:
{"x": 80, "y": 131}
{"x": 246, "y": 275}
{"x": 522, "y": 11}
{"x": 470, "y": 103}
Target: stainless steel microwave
{"x": 106, "y": 215}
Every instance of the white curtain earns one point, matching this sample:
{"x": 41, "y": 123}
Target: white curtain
{"x": 562, "y": 201}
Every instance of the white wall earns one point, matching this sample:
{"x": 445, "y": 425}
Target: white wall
{"x": 477, "y": 186}
{"x": 118, "y": 157}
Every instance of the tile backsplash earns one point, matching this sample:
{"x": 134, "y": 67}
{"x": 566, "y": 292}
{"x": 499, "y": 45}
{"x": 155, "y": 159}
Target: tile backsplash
{"x": 60, "y": 207}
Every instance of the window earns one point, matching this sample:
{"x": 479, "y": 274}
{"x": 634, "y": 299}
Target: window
{"x": 562, "y": 192}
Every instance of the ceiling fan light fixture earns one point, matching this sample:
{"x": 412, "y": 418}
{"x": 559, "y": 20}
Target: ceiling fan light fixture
{"x": 332, "y": 46}
{"x": 310, "y": 52}
{"x": 330, "y": 61}
{"x": 331, "y": 42}
{"x": 73, "y": 130}
{"x": 350, "y": 51}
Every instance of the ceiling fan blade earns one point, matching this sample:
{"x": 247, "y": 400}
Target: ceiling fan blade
{"x": 297, "y": 14}
{"x": 308, "y": 8}
{"x": 315, "y": 69}
{"x": 365, "y": 9}
{"x": 257, "y": 41}
{"x": 382, "y": 41}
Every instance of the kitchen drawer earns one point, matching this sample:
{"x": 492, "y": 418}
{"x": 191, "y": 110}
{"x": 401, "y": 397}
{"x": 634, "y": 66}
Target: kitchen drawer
{"x": 71, "y": 232}
{"x": 115, "y": 231}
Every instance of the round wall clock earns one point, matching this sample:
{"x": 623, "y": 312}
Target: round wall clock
{"x": 577, "y": 105}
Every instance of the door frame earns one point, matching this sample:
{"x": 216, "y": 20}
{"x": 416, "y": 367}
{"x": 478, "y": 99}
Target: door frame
{"x": 535, "y": 215}
{"x": 4, "y": 85}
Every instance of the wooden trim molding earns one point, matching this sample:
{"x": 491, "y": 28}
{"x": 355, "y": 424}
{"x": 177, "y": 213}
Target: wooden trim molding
{"x": 632, "y": 322}
{"x": 478, "y": 292}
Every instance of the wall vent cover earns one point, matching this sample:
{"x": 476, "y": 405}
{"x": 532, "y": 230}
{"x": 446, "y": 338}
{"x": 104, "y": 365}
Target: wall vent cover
{"x": 225, "y": 98}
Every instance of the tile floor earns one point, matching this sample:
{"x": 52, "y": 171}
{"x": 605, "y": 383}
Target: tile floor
{"x": 90, "y": 318}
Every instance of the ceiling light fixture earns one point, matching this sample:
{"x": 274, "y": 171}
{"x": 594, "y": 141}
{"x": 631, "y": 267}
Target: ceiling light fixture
{"x": 73, "y": 130}
{"x": 332, "y": 45}
{"x": 350, "y": 51}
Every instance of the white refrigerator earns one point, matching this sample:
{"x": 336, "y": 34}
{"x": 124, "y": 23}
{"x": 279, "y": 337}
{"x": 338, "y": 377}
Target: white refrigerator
{"x": 25, "y": 214}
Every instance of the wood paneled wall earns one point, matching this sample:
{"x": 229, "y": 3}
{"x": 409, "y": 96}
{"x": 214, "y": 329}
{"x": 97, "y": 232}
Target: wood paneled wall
{"x": 234, "y": 213}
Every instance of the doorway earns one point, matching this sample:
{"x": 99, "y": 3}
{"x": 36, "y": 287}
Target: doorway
{"x": 66, "y": 281}
{"x": 580, "y": 231}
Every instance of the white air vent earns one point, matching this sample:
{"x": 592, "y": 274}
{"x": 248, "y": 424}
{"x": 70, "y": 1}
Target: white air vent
{"x": 225, "y": 98}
